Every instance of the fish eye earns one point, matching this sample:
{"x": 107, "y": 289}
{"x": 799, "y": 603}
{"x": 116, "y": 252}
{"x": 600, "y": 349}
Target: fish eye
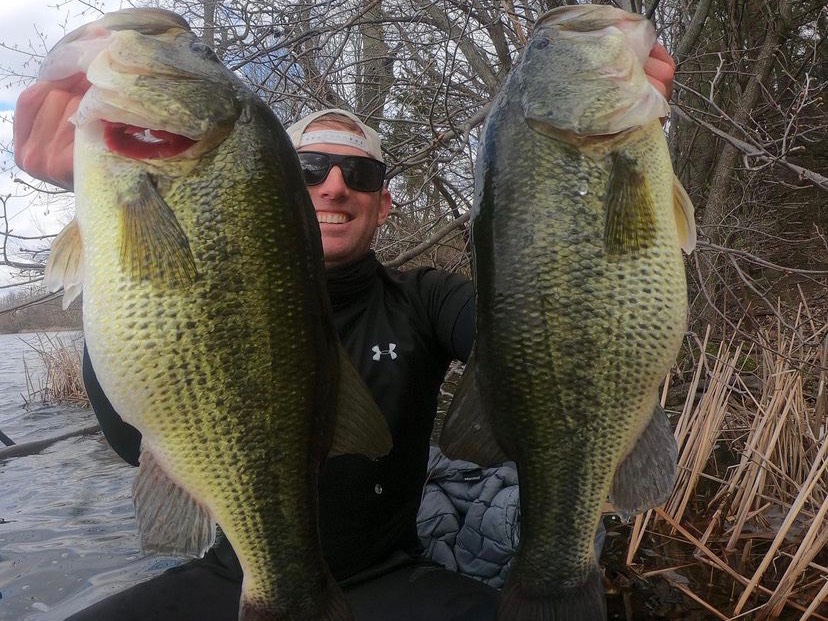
{"x": 204, "y": 51}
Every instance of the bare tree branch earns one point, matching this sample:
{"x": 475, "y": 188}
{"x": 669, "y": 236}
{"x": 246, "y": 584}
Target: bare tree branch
{"x": 431, "y": 241}
{"x": 757, "y": 152}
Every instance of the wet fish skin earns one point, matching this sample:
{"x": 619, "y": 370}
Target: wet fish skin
{"x": 577, "y": 232}
{"x": 205, "y": 310}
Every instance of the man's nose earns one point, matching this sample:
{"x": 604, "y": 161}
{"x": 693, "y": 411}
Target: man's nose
{"x": 334, "y": 184}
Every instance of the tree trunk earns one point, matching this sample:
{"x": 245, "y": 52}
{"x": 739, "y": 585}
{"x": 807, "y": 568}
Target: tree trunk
{"x": 376, "y": 67}
{"x": 209, "y": 33}
{"x": 720, "y": 203}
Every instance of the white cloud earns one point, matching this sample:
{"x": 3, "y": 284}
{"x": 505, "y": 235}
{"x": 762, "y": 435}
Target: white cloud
{"x": 29, "y": 29}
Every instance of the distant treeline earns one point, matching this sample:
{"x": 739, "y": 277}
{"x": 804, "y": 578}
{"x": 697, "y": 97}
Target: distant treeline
{"x": 35, "y": 311}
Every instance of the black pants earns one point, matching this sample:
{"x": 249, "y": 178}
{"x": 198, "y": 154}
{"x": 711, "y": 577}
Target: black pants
{"x": 401, "y": 589}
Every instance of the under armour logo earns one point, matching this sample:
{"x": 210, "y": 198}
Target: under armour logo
{"x": 378, "y": 353}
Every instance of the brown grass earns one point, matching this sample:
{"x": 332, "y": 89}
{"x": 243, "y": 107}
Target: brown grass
{"x": 61, "y": 382}
{"x": 749, "y": 505}
{"x": 752, "y": 491}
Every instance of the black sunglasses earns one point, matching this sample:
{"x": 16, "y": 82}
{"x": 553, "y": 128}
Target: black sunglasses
{"x": 363, "y": 174}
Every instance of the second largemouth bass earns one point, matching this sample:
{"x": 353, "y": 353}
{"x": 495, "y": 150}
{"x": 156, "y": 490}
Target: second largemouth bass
{"x": 577, "y": 231}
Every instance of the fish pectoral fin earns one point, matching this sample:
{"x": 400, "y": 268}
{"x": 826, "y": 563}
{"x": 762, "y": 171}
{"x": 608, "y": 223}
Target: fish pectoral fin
{"x": 169, "y": 519}
{"x": 467, "y": 432}
{"x": 630, "y": 212}
{"x": 646, "y": 476}
{"x": 685, "y": 217}
{"x": 360, "y": 426}
{"x": 65, "y": 265}
{"x": 154, "y": 247}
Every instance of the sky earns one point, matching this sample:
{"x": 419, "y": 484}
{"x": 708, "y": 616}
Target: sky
{"x": 31, "y": 27}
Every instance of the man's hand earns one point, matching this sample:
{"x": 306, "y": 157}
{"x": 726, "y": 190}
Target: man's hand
{"x": 660, "y": 69}
{"x": 43, "y": 136}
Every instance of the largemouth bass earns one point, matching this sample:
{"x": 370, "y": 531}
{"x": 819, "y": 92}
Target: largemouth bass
{"x": 577, "y": 232}
{"x": 206, "y": 316}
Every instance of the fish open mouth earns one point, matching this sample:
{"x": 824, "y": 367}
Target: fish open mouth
{"x": 142, "y": 143}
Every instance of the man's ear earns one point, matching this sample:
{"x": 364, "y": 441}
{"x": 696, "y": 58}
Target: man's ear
{"x": 385, "y": 206}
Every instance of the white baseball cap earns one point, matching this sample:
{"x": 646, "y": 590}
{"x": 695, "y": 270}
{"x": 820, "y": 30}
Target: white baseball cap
{"x": 370, "y": 142}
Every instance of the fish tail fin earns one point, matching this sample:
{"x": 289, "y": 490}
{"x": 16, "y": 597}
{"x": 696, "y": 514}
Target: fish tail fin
{"x": 330, "y": 605}
{"x": 583, "y": 602}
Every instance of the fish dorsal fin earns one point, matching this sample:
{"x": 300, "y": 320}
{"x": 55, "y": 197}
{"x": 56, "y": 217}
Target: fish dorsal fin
{"x": 467, "y": 432}
{"x": 154, "y": 247}
{"x": 646, "y": 476}
{"x": 169, "y": 519}
{"x": 630, "y": 212}
{"x": 685, "y": 217}
{"x": 65, "y": 265}
{"x": 360, "y": 426}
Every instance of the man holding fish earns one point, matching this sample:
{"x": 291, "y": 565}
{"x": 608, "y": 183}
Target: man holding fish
{"x": 401, "y": 330}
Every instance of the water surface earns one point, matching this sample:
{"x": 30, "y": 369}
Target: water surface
{"x": 67, "y": 529}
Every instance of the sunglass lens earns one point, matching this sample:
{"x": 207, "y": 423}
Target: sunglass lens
{"x": 362, "y": 174}
{"x": 315, "y": 167}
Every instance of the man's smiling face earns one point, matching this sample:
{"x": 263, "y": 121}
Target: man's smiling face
{"x": 347, "y": 218}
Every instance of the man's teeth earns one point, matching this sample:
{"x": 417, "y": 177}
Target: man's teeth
{"x": 329, "y": 217}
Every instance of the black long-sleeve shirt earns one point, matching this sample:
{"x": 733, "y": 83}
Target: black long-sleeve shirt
{"x": 401, "y": 329}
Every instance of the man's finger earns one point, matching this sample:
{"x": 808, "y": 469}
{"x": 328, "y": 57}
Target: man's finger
{"x": 659, "y": 52}
{"x": 28, "y": 104}
{"x": 660, "y": 69}
{"x": 43, "y": 134}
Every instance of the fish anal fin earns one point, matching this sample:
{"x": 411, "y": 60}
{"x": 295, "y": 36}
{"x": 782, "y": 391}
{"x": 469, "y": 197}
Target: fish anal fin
{"x": 685, "y": 219}
{"x": 65, "y": 265}
{"x": 169, "y": 519}
{"x": 467, "y": 432}
{"x": 360, "y": 426}
{"x": 630, "y": 213}
{"x": 645, "y": 477}
{"x": 154, "y": 247}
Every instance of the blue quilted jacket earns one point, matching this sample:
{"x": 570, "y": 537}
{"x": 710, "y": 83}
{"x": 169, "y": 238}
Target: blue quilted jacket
{"x": 469, "y": 519}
